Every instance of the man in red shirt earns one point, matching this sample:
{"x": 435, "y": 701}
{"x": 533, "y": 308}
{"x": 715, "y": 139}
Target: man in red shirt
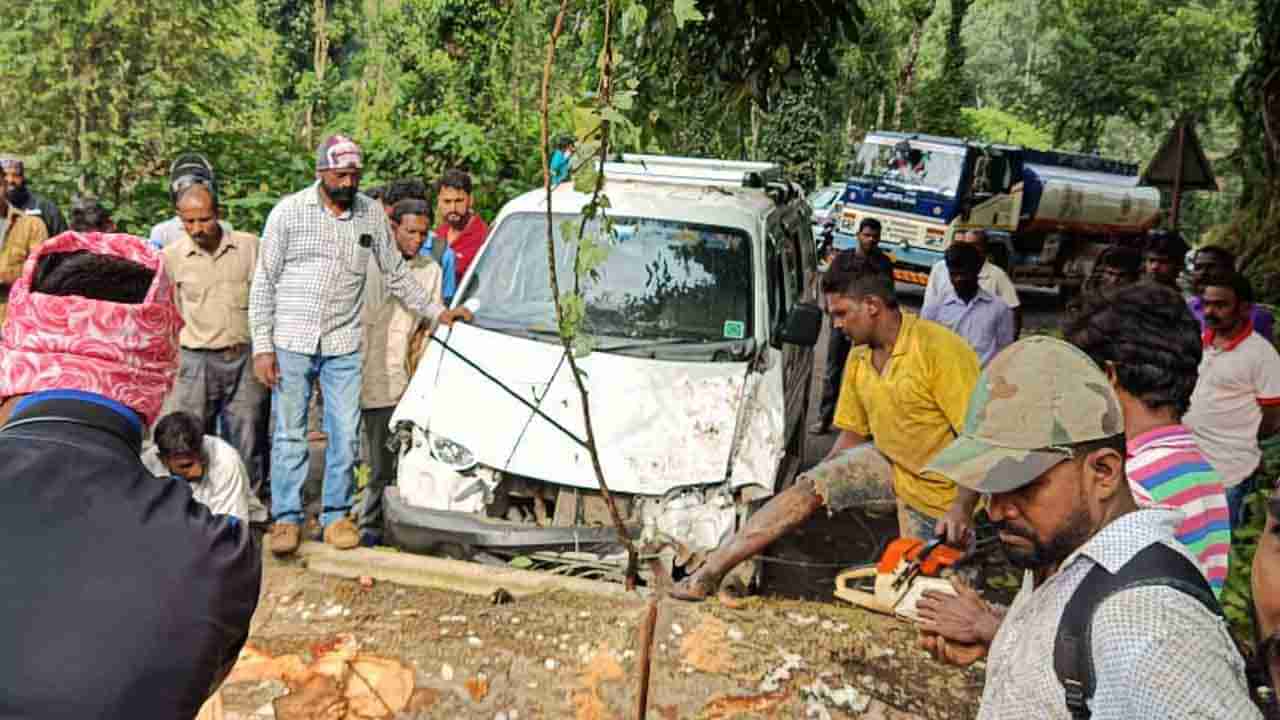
{"x": 464, "y": 230}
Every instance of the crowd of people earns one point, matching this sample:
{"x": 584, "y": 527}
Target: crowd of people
{"x": 1114, "y": 462}
{"x": 1114, "y": 465}
{"x": 180, "y": 368}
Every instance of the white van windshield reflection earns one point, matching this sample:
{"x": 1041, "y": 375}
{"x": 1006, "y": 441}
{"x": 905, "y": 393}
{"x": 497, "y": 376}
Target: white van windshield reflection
{"x": 663, "y": 283}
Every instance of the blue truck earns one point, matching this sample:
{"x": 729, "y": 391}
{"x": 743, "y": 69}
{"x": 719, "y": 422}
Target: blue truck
{"x": 1048, "y": 214}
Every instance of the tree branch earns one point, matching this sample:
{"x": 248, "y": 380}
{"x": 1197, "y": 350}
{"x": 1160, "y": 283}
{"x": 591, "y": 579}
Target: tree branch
{"x": 566, "y": 338}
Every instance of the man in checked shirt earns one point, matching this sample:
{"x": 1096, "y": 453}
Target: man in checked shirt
{"x": 305, "y": 310}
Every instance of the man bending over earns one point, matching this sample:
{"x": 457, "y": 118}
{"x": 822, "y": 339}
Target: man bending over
{"x": 906, "y": 384}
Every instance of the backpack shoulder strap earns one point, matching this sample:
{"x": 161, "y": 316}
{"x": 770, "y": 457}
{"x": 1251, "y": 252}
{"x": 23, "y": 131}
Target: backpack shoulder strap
{"x": 1157, "y": 564}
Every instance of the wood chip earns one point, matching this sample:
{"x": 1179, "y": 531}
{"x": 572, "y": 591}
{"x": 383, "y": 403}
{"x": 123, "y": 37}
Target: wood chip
{"x": 478, "y": 688}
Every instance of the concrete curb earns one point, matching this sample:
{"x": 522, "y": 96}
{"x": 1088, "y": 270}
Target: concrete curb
{"x": 443, "y": 574}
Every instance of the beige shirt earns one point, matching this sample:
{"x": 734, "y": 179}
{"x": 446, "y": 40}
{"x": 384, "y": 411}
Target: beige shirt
{"x": 388, "y": 329}
{"x": 19, "y": 238}
{"x": 212, "y": 290}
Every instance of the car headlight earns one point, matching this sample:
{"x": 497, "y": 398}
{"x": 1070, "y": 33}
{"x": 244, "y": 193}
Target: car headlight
{"x": 450, "y": 453}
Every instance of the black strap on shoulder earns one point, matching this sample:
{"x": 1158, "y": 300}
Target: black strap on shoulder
{"x": 1156, "y": 565}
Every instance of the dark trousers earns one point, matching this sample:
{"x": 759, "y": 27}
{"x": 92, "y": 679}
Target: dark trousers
{"x": 382, "y": 465}
{"x": 838, "y": 346}
{"x": 1236, "y": 497}
{"x": 219, "y": 388}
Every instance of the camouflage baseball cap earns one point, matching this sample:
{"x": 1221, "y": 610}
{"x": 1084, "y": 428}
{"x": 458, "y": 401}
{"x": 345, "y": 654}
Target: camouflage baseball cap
{"x": 1034, "y": 400}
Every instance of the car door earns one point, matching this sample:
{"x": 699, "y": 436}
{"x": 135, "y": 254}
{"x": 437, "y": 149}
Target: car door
{"x": 792, "y": 281}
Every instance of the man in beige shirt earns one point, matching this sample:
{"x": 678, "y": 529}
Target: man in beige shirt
{"x": 20, "y": 235}
{"x": 211, "y": 270}
{"x": 389, "y": 327}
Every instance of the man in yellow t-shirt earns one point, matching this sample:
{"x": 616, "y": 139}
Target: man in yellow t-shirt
{"x": 903, "y": 399}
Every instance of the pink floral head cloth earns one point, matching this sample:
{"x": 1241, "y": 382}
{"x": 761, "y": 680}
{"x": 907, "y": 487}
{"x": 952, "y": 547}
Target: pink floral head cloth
{"x": 128, "y": 353}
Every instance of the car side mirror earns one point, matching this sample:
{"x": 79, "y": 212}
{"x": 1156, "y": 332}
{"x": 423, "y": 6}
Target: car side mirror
{"x": 801, "y": 326}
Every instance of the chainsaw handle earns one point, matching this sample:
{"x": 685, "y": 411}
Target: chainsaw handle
{"x": 855, "y": 574}
{"x": 847, "y": 590}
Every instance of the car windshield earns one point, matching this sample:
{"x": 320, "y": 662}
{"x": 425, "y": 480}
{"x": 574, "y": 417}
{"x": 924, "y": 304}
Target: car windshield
{"x": 661, "y": 280}
{"x": 910, "y": 167}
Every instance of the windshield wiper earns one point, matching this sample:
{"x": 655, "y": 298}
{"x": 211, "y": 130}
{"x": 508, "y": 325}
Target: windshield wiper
{"x": 742, "y": 348}
{"x": 527, "y": 333}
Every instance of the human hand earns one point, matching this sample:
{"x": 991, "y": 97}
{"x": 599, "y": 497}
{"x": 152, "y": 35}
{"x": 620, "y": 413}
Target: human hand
{"x": 266, "y": 369}
{"x": 963, "y": 618}
{"x": 956, "y": 526}
{"x": 952, "y": 653}
{"x": 448, "y": 317}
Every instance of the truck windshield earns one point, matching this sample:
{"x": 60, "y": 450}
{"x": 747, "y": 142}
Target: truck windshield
{"x": 661, "y": 279}
{"x": 916, "y": 168}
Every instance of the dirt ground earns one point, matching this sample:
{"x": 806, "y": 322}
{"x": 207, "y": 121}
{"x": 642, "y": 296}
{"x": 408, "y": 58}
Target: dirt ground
{"x": 562, "y": 655}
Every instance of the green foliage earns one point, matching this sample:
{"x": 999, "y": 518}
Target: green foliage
{"x": 793, "y": 133}
{"x": 99, "y": 84}
{"x": 944, "y": 96}
{"x": 686, "y": 11}
{"x": 1253, "y": 231}
{"x": 1130, "y": 59}
{"x": 111, "y": 90}
{"x": 1237, "y": 594}
{"x": 997, "y": 126}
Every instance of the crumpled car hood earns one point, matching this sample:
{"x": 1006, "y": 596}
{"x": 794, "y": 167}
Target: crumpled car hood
{"x": 658, "y": 424}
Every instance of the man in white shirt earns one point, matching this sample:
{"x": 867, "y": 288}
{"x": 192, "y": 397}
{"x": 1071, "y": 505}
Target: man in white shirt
{"x": 212, "y": 468}
{"x": 991, "y": 278}
{"x": 1237, "y": 398}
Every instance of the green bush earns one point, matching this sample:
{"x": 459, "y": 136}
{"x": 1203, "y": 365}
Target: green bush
{"x": 1237, "y": 595}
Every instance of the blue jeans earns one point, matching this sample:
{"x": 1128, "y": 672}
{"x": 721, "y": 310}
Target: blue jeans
{"x": 1235, "y": 500}
{"x": 340, "y": 377}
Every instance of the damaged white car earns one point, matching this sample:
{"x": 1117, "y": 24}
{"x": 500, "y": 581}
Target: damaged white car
{"x": 701, "y": 322}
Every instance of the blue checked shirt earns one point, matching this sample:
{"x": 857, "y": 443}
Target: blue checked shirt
{"x": 1157, "y": 652}
{"x": 308, "y": 288}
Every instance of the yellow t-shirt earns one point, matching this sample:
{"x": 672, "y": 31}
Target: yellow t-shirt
{"x": 914, "y": 408}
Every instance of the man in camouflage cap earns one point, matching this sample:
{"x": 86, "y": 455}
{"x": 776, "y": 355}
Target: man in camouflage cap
{"x": 1044, "y": 440}
{"x": 1038, "y": 399}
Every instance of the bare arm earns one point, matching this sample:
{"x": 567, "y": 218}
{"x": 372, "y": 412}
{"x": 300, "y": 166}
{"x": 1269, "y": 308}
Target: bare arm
{"x": 847, "y": 439}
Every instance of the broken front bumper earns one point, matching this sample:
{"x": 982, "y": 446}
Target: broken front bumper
{"x": 418, "y": 529}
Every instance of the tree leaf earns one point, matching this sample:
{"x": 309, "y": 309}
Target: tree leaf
{"x": 686, "y": 11}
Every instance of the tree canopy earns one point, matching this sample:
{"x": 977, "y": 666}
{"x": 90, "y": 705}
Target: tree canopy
{"x": 106, "y": 92}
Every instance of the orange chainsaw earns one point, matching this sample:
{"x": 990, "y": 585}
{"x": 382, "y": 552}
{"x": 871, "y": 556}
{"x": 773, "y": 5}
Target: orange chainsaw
{"x": 893, "y": 586}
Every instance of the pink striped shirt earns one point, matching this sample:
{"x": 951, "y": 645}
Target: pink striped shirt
{"x": 1166, "y": 469}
